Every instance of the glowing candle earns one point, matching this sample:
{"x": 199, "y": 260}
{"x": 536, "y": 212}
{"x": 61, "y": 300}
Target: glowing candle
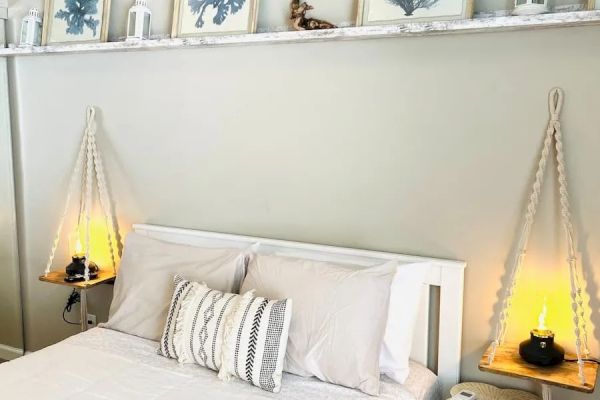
{"x": 540, "y": 348}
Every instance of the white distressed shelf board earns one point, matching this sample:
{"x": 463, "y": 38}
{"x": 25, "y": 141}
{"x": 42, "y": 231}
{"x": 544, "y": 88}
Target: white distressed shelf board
{"x": 481, "y": 25}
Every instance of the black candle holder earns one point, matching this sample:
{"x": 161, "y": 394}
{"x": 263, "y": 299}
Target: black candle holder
{"x": 541, "y": 350}
{"x": 76, "y": 270}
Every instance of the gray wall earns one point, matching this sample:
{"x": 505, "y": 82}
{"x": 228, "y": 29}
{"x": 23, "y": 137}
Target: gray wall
{"x": 11, "y": 332}
{"x": 420, "y": 145}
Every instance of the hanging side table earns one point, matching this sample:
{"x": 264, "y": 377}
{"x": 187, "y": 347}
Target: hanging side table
{"x": 58, "y": 278}
{"x": 503, "y": 358}
{"x": 88, "y": 169}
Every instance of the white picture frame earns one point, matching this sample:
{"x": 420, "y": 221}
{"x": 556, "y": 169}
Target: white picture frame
{"x": 61, "y": 28}
{"x": 240, "y": 21}
{"x": 385, "y": 12}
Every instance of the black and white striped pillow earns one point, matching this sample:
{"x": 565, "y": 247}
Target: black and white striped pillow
{"x": 182, "y": 288}
{"x": 237, "y": 335}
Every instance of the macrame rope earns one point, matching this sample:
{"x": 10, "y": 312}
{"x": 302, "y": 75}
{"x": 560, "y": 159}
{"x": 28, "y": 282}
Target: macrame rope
{"x": 576, "y": 291}
{"x": 73, "y": 180}
{"x": 90, "y": 131}
{"x": 546, "y": 393}
{"x": 88, "y": 162}
{"x": 534, "y": 199}
{"x": 104, "y": 202}
{"x": 555, "y": 103}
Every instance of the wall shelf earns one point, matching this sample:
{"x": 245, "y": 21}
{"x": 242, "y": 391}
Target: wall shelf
{"x": 478, "y": 25}
{"x": 58, "y": 278}
{"x": 508, "y": 362}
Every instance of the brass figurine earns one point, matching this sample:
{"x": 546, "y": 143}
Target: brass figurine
{"x": 301, "y": 23}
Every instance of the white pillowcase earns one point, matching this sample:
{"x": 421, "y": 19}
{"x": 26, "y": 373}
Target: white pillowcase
{"x": 404, "y": 306}
{"x": 143, "y": 286}
{"x": 238, "y": 335}
{"x": 406, "y": 286}
{"x": 339, "y": 316}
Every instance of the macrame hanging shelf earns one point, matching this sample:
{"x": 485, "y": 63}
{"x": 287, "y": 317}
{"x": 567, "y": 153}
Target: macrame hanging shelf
{"x": 503, "y": 358}
{"x": 88, "y": 171}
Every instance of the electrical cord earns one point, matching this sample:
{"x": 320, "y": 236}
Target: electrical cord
{"x": 73, "y": 299}
{"x": 592, "y": 360}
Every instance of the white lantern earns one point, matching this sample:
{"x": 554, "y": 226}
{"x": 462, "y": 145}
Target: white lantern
{"x": 31, "y": 29}
{"x": 138, "y": 23}
{"x": 530, "y": 7}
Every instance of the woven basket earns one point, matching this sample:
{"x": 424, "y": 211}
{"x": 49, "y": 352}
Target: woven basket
{"x": 489, "y": 392}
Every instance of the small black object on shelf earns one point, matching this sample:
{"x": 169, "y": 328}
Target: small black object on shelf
{"x": 76, "y": 270}
{"x": 541, "y": 350}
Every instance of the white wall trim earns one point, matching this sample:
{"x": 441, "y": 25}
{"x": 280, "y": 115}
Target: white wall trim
{"x": 9, "y": 353}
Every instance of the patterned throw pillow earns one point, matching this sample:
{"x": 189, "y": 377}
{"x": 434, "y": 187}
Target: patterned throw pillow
{"x": 182, "y": 288}
{"x": 238, "y": 335}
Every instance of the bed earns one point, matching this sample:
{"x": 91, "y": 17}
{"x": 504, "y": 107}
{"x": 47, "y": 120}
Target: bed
{"x": 107, "y": 364}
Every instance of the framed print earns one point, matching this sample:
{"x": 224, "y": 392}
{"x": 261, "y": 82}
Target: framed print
{"x": 213, "y": 17}
{"x": 381, "y": 12}
{"x": 75, "y": 21}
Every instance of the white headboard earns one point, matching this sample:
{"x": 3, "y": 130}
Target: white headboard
{"x": 443, "y": 341}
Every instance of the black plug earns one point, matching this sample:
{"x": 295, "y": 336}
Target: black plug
{"x": 73, "y": 299}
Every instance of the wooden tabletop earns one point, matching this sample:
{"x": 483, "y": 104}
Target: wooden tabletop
{"x": 58, "y": 277}
{"x": 566, "y": 375}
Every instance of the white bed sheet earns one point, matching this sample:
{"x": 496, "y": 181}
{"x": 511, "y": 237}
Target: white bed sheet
{"x": 105, "y": 364}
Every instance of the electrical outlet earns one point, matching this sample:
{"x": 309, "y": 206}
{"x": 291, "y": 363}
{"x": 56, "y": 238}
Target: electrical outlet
{"x": 91, "y": 321}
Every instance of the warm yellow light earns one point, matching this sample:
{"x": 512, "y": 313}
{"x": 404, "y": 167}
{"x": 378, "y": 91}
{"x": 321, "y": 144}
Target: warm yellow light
{"x": 542, "y": 318}
{"x": 78, "y": 246}
{"x": 543, "y": 280}
{"x": 98, "y": 247}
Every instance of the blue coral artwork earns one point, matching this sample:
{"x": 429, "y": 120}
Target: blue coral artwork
{"x": 76, "y": 20}
{"x": 79, "y": 14}
{"x": 387, "y": 11}
{"x": 216, "y": 16}
{"x": 222, "y": 9}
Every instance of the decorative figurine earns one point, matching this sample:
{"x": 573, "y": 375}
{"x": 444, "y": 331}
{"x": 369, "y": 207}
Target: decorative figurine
{"x": 301, "y": 23}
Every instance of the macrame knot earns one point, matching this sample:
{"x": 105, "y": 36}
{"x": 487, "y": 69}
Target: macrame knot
{"x": 555, "y": 103}
{"x": 91, "y": 116}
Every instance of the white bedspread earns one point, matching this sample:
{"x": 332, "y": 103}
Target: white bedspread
{"x": 105, "y": 364}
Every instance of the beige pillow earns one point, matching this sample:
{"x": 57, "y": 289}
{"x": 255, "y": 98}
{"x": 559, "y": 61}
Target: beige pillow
{"x": 339, "y": 316}
{"x": 144, "y": 286}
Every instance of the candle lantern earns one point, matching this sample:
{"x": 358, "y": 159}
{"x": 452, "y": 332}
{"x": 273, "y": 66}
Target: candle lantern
{"x": 139, "y": 21}
{"x": 31, "y": 29}
{"x": 530, "y": 7}
{"x": 540, "y": 348}
{"x": 75, "y": 271}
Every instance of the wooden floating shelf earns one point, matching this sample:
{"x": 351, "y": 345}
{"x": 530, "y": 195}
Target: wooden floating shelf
{"x": 566, "y": 375}
{"x": 58, "y": 277}
{"x": 478, "y": 25}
